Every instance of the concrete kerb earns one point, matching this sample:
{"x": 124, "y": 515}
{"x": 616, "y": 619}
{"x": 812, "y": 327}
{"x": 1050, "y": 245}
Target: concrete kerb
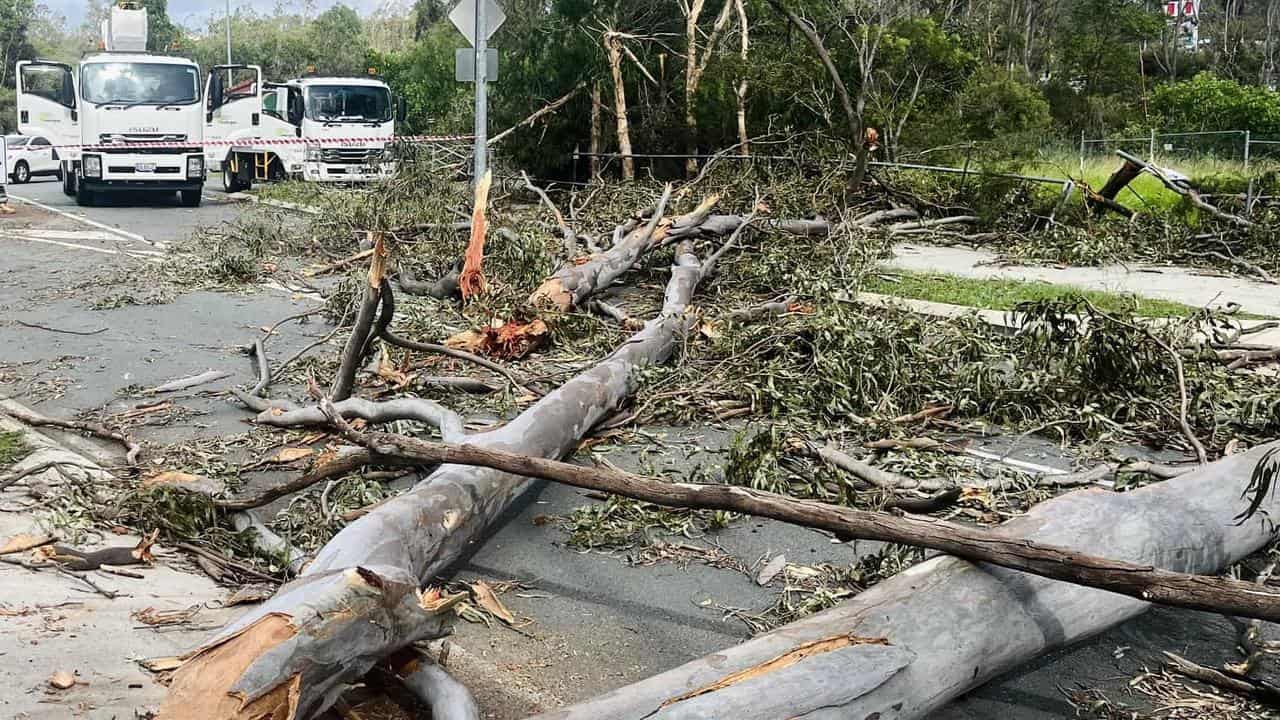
{"x": 1012, "y": 321}
{"x": 296, "y": 207}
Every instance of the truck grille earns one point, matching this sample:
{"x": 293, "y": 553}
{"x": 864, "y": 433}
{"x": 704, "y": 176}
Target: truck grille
{"x": 351, "y": 156}
{"x": 174, "y": 143}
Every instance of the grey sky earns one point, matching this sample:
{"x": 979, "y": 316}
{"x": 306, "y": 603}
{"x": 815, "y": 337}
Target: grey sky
{"x": 195, "y": 13}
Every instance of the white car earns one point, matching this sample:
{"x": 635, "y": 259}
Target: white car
{"x": 30, "y": 156}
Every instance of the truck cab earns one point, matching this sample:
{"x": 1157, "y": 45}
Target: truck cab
{"x": 124, "y": 119}
{"x": 319, "y": 129}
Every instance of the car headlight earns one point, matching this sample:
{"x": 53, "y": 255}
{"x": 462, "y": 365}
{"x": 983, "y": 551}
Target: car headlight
{"x": 195, "y": 166}
{"x": 91, "y": 166}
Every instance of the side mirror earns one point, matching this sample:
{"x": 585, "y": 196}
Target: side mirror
{"x": 255, "y": 119}
{"x": 402, "y": 109}
{"x": 75, "y": 116}
{"x": 208, "y": 116}
{"x": 298, "y": 131}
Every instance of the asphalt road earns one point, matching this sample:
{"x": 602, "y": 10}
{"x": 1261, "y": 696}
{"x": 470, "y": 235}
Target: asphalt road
{"x": 158, "y": 217}
{"x": 598, "y": 622}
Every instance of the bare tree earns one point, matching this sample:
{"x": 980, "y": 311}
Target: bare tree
{"x": 744, "y": 33}
{"x": 853, "y": 115}
{"x": 695, "y": 66}
{"x": 613, "y": 47}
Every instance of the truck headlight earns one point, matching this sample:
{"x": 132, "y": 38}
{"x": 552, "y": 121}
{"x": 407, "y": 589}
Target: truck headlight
{"x": 91, "y": 166}
{"x": 313, "y": 154}
{"x": 195, "y": 167}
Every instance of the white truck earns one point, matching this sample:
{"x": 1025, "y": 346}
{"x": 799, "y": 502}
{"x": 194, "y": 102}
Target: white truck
{"x": 120, "y": 120}
{"x": 320, "y": 129}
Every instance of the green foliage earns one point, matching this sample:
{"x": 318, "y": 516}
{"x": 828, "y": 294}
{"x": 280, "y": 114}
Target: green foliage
{"x": 1100, "y": 43}
{"x": 12, "y": 448}
{"x": 997, "y": 106}
{"x": 1209, "y": 102}
{"x": 162, "y": 34}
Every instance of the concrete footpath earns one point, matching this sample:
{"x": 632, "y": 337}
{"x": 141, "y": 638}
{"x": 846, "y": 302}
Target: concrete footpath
{"x": 1198, "y": 288}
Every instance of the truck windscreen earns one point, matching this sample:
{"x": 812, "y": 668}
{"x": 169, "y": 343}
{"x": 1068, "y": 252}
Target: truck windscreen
{"x": 348, "y": 103}
{"x": 139, "y": 83}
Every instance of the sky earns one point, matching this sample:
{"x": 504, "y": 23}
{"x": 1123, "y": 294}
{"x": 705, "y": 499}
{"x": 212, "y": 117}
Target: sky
{"x": 197, "y": 12}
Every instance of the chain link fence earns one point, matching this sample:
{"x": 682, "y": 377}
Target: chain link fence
{"x": 1235, "y": 151}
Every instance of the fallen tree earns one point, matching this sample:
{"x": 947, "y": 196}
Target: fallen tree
{"x": 926, "y": 636}
{"x": 1061, "y": 563}
{"x": 359, "y": 600}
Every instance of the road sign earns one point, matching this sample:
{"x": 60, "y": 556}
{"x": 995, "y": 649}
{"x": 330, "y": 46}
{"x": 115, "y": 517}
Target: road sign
{"x": 464, "y": 65}
{"x": 463, "y": 17}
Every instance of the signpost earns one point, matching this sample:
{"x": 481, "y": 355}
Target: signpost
{"x": 477, "y": 20}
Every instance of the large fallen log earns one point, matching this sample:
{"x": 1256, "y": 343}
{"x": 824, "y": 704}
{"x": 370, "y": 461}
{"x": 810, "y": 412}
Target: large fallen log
{"x": 1062, "y": 563}
{"x": 915, "y": 641}
{"x": 359, "y": 599}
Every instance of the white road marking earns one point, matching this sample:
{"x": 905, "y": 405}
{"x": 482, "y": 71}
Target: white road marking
{"x": 73, "y": 246}
{"x": 1012, "y": 462}
{"x": 92, "y": 223}
{"x": 61, "y": 238}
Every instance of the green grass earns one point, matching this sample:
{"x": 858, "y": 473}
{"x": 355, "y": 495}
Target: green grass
{"x": 1145, "y": 192}
{"x": 1007, "y": 294}
{"x": 12, "y": 448}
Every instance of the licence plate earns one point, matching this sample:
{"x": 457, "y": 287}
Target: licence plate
{"x": 145, "y": 167}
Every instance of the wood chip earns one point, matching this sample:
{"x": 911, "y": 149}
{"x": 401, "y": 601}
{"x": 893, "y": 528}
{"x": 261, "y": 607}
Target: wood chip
{"x": 486, "y": 599}
{"x": 161, "y": 664}
{"x": 62, "y": 680}
{"x": 771, "y": 570}
{"x": 290, "y": 454}
{"x": 25, "y": 542}
{"x": 249, "y": 594}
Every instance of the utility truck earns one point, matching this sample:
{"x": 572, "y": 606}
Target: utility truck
{"x": 320, "y": 129}
{"x": 122, "y": 119}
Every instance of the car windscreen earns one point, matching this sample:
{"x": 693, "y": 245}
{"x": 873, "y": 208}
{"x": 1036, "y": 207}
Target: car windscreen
{"x": 139, "y": 83}
{"x": 15, "y": 140}
{"x": 348, "y": 103}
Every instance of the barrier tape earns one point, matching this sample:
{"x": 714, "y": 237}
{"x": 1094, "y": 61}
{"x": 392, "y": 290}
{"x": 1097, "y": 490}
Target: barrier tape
{"x": 419, "y": 139}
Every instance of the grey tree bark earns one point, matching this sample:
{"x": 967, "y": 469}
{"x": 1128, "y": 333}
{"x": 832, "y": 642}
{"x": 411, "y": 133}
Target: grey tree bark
{"x": 926, "y": 636}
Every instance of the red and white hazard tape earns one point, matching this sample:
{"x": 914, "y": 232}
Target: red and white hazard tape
{"x": 414, "y": 139}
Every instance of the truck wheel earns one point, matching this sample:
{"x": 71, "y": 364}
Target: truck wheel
{"x": 191, "y": 198}
{"x": 231, "y": 181}
{"x": 84, "y": 196}
{"x": 68, "y": 183}
{"x": 21, "y": 172}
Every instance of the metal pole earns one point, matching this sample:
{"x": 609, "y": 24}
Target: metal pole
{"x": 1082, "y": 152}
{"x": 482, "y": 89}
{"x": 1248, "y": 138}
{"x": 1151, "y": 155}
{"x": 228, "y": 32}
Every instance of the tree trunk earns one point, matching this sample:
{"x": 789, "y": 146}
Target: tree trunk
{"x": 358, "y": 343}
{"x": 691, "y": 84}
{"x": 613, "y": 46}
{"x": 596, "y": 132}
{"x": 857, "y": 137}
{"x": 741, "y": 91}
{"x": 359, "y": 599}
{"x": 695, "y": 66}
{"x": 573, "y": 284}
{"x": 1225, "y": 595}
{"x": 935, "y": 631}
